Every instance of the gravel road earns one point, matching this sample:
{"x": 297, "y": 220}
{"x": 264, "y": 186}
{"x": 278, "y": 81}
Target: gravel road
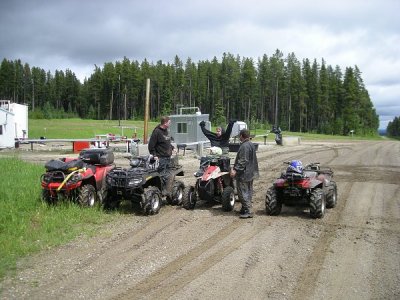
{"x": 352, "y": 253}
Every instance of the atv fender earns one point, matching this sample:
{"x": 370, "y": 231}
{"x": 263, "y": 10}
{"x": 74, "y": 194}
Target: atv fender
{"x": 314, "y": 183}
{"x": 153, "y": 181}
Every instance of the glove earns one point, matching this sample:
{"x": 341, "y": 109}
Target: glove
{"x": 202, "y": 124}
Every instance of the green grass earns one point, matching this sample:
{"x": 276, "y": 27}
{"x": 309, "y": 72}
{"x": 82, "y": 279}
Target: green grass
{"x": 83, "y": 129}
{"x": 79, "y": 128}
{"x": 27, "y": 225}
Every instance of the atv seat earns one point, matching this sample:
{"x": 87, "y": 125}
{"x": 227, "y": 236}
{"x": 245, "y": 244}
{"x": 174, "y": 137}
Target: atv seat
{"x": 310, "y": 173}
{"x": 292, "y": 175}
{"x": 144, "y": 161}
{"x": 65, "y": 166}
{"x": 216, "y": 160}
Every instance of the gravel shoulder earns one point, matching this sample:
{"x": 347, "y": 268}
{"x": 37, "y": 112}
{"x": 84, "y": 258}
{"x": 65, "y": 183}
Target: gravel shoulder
{"x": 352, "y": 253}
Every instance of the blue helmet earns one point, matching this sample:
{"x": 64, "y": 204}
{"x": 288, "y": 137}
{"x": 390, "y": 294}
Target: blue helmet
{"x": 295, "y": 166}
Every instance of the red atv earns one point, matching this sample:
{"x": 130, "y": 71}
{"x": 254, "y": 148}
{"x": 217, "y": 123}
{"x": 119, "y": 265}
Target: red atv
{"x": 213, "y": 183}
{"x": 81, "y": 180}
{"x": 311, "y": 186}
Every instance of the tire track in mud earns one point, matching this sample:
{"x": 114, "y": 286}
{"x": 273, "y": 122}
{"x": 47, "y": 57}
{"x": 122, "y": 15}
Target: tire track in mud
{"x": 306, "y": 284}
{"x": 99, "y": 260}
{"x": 160, "y": 285}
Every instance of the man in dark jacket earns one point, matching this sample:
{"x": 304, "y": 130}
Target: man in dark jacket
{"x": 245, "y": 170}
{"x": 220, "y": 138}
{"x": 161, "y": 148}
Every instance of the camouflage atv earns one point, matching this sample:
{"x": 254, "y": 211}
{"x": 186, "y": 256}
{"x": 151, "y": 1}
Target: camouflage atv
{"x": 143, "y": 186}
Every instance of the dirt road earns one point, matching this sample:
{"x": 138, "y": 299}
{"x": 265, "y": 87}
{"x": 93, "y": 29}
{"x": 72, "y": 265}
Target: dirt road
{"x": 352, "y": 253}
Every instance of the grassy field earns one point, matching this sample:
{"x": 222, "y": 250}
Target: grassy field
{"x": 27, "y": 225}
{"x": 78, "y": 128}
{"x": 83, "y": 129}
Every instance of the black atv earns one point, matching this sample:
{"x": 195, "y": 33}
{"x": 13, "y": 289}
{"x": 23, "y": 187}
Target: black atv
{"x": 142, "y": 185}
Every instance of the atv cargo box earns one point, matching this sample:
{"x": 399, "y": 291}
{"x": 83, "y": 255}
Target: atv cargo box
{"x": 97, "y": 156}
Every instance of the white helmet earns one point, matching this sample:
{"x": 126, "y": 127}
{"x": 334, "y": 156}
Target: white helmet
{"x": 215, "y": 151}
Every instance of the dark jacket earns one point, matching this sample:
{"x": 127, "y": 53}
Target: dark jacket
{"x": 160, "y": 143}
{"x": 221, "y": 141}
{"x": 246, "y": 164}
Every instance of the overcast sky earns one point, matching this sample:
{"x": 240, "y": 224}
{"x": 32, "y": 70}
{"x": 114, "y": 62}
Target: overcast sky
{"x": 77, "y": 34}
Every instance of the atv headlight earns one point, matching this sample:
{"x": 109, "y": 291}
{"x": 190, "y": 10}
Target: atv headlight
{"x": 75, "y": 178}
{"x": 46, "y": 178}
{"x": 109, "y": 180}
{"x": 134, "y": 181}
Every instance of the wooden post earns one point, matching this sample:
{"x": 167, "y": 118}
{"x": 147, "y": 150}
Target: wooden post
{"x": 146, "y": 112}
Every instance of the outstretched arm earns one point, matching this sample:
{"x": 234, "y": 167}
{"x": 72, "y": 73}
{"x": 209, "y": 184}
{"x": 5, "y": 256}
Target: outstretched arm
{"x": 206, "y": 132}
{"x": 227, "y": 134}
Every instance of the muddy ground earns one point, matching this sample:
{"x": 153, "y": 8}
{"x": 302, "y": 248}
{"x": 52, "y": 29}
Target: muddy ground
{"x": 352, "y": 253}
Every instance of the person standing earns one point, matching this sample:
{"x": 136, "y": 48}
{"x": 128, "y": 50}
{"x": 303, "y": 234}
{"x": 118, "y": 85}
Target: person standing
{"x": 161, "y": 148}
{"x": 220, "y": 138}
{"x": 245, "y": 170}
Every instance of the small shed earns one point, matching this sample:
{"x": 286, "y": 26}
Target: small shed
{"x": 185, "y": 127}
{"x": 13, "y": 123}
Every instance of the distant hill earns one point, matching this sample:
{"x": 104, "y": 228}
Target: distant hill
{"x": 382, "y": 131}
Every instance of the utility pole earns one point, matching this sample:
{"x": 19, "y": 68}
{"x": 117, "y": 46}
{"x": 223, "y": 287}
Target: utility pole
{"x": 119, "y": 100}
{"x": 146, "y": 112}
{"x": 276, "y": 104}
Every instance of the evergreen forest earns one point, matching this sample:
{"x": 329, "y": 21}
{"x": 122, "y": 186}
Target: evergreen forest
{"x": 302, "y": 96}
{"x": 393, "y": 128}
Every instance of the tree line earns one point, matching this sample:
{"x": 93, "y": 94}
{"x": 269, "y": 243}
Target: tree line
{"x": 393, "y": 128}
{"x": 304, "y": 96}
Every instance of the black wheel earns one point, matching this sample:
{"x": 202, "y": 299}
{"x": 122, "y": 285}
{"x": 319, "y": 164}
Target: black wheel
{"x": 102, "y": 194}
{"x": 331, "y": 199}
{"x": 317, "y": 204}
{"x": 273, "y": 206}
{"x": 151, "y": 200}
{"x": 189, "y": 198}
{"x": 87, "y": 195}
{"x": 177, "y": 193}
{"x": 47, "y": 198}
{"x": 228, "y": 198}
{"x": 109, "y": 203}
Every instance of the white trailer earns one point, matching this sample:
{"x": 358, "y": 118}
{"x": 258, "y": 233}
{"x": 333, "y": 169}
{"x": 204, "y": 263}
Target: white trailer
{"x": 13, "y": 123}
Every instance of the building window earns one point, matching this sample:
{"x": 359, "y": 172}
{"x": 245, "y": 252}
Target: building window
{"x": 1, "y": 129}
{"x": 182, "y": 128}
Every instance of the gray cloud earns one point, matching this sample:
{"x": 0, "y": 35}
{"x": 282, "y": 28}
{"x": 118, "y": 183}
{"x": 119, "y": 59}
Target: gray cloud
{"x": 56, "y": 34}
